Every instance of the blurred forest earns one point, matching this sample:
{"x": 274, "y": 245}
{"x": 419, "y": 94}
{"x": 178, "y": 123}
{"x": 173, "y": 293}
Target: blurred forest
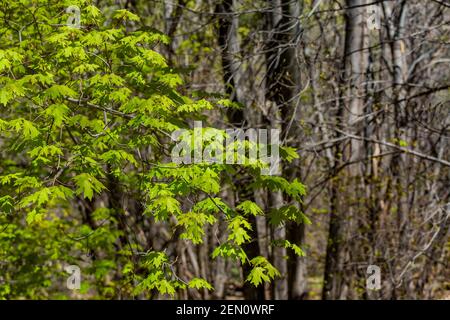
{"x": 360, "y": 90}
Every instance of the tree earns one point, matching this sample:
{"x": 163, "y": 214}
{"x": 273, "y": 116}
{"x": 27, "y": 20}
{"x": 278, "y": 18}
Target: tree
{"x": 91, "y": 120}
{"x": 86, "y": 116}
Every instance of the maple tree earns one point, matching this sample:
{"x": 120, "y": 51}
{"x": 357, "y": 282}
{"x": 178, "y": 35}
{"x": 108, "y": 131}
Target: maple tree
{"x": 86, "y": 116}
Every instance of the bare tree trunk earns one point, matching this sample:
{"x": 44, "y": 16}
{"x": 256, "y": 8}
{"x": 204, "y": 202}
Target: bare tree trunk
{"x": 351, "y": 109}
{"x": 227, "y": 35}
{"x": 282, "y": 90}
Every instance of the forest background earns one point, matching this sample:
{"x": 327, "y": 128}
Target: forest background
{"x": 358, "y": 89}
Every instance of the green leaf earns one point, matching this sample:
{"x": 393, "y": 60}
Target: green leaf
{"x": 193, "y": 224}
{"x": 288, "y": 153}
{"x": 27, "y": 128}
{"x": 250, "y": 208}
{"x": 288, "y": 245}
{"x": 58, "y": 112}
{"x": 287, "y": 213}
{"x": 257, "y": 276}
{"x": 59, "y": 91}
{"x": 164, "y": 206}
{"x": 87, "y": 185}
{"x": 238, "y": 230}
{"x": 34, "y": 217}
{"x": 230, "y": 250}
{"x": 165, "y": 287}
{"x": 208, "y": 182}
{"x": 155, "y": 259}
{"x": 39, "y": 198}
{"x": 197, "y": 283}
{"x": 296, "y": 189}
{"x": 123, "y": 14}
{"x": 6, "y": 204}
{"x": 262, "y": 271}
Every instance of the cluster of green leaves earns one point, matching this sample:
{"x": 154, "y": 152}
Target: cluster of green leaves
{"x": 161, "y": 276}
{"x": 79, "y": 110}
